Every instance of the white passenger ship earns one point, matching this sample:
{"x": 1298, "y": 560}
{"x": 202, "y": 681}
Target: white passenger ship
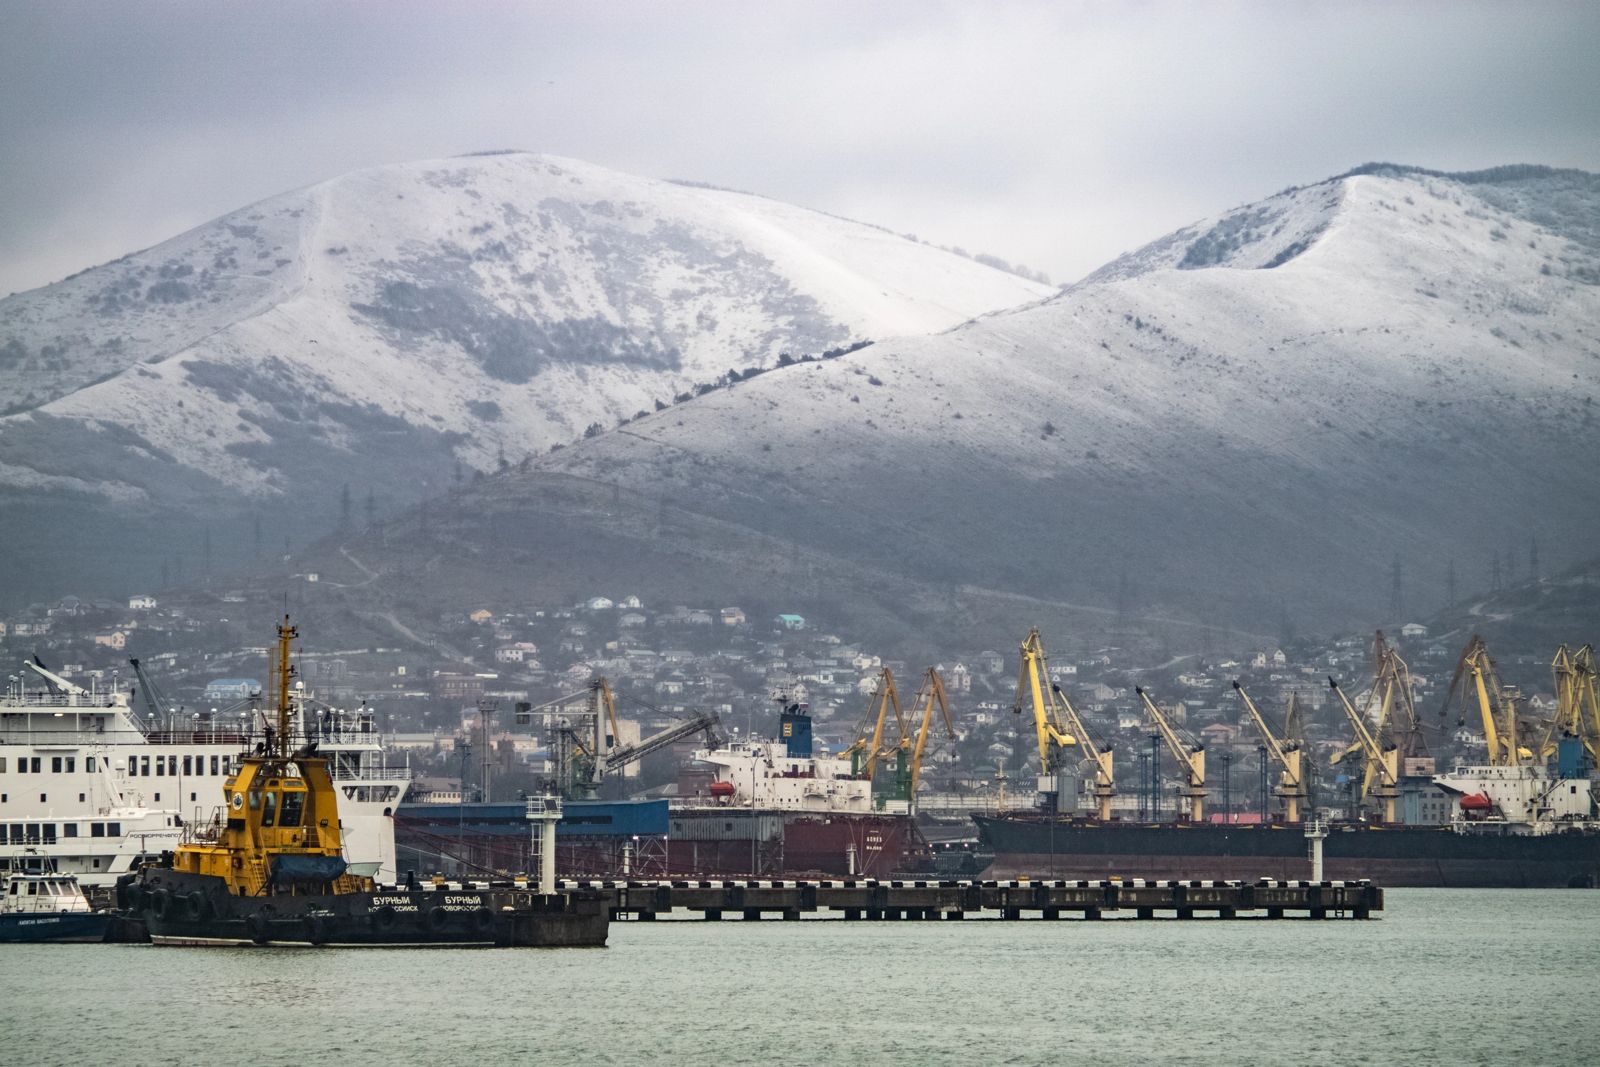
{"x": 87, "y": 783}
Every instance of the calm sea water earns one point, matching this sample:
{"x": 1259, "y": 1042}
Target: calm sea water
{"x": 1458, "y": 976}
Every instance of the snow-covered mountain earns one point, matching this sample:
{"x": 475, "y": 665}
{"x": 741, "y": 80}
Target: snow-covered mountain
{"x": 394, "y": 327}
{"x": 1245, "y": 424}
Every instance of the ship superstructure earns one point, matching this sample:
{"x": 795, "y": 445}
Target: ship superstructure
{"x": 88, "y": 782}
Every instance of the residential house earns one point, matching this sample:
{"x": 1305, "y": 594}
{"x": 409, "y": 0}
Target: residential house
{"x": 141, "y": 603}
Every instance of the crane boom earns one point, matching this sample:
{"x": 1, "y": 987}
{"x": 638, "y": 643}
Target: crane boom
{"x": 1191, "y": 757}
{"x": 1497, "y": 709}
{"x": 1386, "y": 760}
{"x": 931, "y": 693}
{"x": 1291, "y": 781}
{"x": 1050, "y": 732}
{"x": 154, "y": 701}
{"x": 707, "y": 723}
{"x": 867, "y": 750}
{"x": 1577, "y": 709}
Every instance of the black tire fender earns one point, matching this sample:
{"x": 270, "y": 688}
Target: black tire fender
{"x": 257, "y": 925}
{"x": 436, "y": 917}
{"x": 197, "y": 905}
{"x": 383, "y": 918}
{"x": 483, "y": 920}
{"x": 316, "y": 929}
{"x": 161, "y": 903}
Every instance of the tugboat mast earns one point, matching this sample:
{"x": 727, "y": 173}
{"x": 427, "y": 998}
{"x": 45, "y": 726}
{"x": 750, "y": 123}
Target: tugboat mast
{"x": 280, "y": 744}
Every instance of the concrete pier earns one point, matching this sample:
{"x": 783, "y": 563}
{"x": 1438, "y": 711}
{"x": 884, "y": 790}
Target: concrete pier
{"x": 871, "y": 900}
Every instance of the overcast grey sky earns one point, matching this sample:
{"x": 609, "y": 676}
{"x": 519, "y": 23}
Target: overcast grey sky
{"x": 1057, "y": 135}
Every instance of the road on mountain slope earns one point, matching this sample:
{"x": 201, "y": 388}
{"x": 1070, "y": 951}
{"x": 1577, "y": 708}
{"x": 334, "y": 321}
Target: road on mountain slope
{"x": 973, "y": 590}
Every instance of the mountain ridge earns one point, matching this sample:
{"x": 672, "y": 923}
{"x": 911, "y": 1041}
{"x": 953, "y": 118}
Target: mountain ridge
{"x": 1228, "y": 446}
{"x": 395, "y": 327}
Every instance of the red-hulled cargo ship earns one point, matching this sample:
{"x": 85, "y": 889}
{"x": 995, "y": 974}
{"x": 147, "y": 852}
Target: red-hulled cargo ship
{"x": 773, "y": 808}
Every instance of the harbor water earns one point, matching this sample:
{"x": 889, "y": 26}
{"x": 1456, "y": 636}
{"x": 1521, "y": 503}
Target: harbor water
{"x": 1457, "y": 976}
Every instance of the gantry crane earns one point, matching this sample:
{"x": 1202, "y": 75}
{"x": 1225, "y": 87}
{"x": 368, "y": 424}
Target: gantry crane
{"x": 867, "y": 750}
{"x": 1190, "y": 754}
{"x": 930, "y": 693}
{"x": 1057, "y": 721}
{"x": 1577, "y": 707}
{"x": 1291, "y": 779}
{"x": 1385, "y": 758}
{"x": 1497, "y": 706}
{"x": 1050, "y": 731}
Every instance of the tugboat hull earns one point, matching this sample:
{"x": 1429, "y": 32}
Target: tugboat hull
{"x": 185, "y": 909}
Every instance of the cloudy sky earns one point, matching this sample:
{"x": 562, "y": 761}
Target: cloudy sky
{"x": 1056, "y": 135}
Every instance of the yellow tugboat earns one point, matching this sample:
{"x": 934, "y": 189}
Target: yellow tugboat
{"x": 270, "y": 869}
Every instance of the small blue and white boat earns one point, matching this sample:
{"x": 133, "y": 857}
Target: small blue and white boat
{"x": 41, "y": 905}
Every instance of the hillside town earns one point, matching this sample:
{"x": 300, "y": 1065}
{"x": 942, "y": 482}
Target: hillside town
{"x": 669, "y": 662}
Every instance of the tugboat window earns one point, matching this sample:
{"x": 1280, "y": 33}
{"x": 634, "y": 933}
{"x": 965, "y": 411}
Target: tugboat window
{"x": 269, "y": 810}
{"x": 293, "y": 806}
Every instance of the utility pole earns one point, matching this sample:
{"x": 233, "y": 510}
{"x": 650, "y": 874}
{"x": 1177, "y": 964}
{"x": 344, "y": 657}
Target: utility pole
{"x": 1155, "y": 777}
{"x": 1227, "y": 793}
{"x": 1265, "y": 788}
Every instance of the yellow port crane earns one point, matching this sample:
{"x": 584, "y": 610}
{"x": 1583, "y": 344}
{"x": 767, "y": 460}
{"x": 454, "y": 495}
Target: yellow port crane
{"x": 1190, "y": 754}
{"x": 1399, "y": 707}
{"x": 867, "y": 750}
{"x": 932, "y": 693}
{"x": 1577, "y": 706}
{"x": 1497, "y": 705}
{"x": 1291, "y": 780}
{"x": 1386, "y": 758}
{"x": 1390, "y": 710}
{"x": 1050, "y": 732}
{"x": 1057, "y": 721}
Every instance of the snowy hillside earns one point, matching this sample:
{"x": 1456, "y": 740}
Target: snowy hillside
{"x": 382, "y": 327}
{"x": 1171, "y": 444}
